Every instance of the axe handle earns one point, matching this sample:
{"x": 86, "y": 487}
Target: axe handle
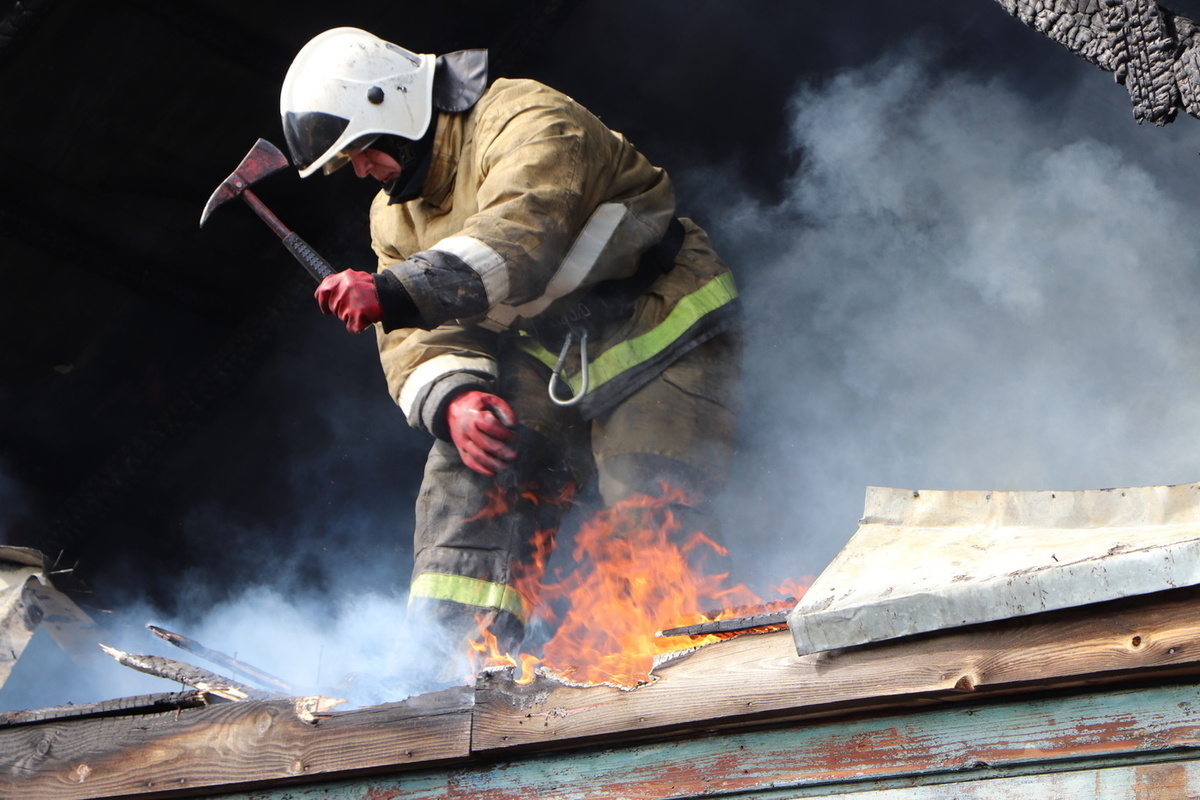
{"x": 317, "y": 267}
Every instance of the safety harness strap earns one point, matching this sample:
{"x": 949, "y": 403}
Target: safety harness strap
{"x": 468, "y": 591}
{"x": 628, "y": 355}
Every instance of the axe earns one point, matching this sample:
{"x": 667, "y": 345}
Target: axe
{"x": 265, "y": 159}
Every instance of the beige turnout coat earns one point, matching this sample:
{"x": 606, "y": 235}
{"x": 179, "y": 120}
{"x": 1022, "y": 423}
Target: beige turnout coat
{"x": 542, "y": 202}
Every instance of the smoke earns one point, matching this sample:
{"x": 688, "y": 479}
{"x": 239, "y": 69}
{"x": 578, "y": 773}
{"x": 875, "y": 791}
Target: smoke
{"x": 294, "y": 553}
{"x": 961, "y": 289}
{"x": 355, "y": 646}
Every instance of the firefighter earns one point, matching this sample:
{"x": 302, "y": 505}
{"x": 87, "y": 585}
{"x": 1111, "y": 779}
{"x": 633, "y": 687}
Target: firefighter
{"x": 539, "y": 308}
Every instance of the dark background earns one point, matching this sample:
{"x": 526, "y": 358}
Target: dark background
{"x": 179, "y": 423}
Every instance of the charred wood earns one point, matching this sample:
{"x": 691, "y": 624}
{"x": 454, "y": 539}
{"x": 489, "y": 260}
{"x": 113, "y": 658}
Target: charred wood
{"x": 770, "y": 621}
{"x": 189, "y": 675}
{"x": 122, "y": 706}
{"x": 771, "y": 615}
{"x": 217, "y": 657}
{"x": 1151, "y": 51}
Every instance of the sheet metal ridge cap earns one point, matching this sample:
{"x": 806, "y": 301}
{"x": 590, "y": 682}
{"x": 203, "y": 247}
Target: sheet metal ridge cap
{"x": 1136, "y": 572}
{"x": 23, "y": 556}
{"x": 1140, "y": 505}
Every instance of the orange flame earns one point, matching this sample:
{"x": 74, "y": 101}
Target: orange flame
{"x": 630, "y": 579}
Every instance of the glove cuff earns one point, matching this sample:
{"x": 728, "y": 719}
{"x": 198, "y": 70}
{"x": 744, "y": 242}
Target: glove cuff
{"x": 399, "y": 310}
{"x": 438, "y": 402}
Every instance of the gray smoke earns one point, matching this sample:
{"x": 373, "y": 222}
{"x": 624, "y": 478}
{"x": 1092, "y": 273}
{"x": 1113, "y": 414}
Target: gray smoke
{"x": 961, "y": 290}
{"x": 354, "y": 646}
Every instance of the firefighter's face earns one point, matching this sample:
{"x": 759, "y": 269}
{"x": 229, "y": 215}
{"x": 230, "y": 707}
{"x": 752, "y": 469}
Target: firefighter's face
{"x": 372, "y": 163}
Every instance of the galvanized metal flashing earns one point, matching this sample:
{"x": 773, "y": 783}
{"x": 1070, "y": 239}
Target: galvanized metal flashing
{"x": 28, "y": 600}
{"x": 924, "y": 561}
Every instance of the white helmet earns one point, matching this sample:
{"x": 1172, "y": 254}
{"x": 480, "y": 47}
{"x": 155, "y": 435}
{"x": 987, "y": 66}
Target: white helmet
{"x": 345, "y": 88}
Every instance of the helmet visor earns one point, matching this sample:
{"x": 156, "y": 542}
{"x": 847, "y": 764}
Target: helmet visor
{"x": 310, "y": 134}
{"x": 342, "y": 157}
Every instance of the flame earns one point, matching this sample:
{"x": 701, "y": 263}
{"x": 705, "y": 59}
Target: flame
{"x": 635, "y": 572}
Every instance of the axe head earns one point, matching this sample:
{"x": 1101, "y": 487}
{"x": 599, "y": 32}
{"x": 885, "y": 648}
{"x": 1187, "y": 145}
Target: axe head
{"x": 263, "y": 159}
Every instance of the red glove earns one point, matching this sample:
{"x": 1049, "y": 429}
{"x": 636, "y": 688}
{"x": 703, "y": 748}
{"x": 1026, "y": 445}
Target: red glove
{"x": 351, "y": 295}
{"x": 481, "y": 424}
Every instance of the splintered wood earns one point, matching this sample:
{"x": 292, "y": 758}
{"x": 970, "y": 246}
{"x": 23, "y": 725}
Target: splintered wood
{"x": 308, "y": 709}
{"x": 189, "y": 675}
{"x": 761, "y": 618}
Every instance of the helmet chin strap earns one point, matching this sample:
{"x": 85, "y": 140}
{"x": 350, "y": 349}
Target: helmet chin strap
{"x": 414, "y": 159}
{"x": 458, "y": 83}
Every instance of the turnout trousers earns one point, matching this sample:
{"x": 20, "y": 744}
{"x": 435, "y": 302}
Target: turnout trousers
{"x": 476, "y": 535}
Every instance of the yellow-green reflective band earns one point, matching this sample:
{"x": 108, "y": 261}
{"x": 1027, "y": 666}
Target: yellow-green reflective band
{"x": 626, "y": 355}
{"x": 468, "y": 591}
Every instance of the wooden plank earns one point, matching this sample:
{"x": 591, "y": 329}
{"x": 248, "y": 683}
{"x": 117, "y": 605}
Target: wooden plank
{"x": 755, "y": 679}
{"x": 760, "y": 676}
{"x": 121, "y": 706}
{"x": 1169, "y": 781}
{"x": 227, "y": 745}
{"x": 954, "y": 746}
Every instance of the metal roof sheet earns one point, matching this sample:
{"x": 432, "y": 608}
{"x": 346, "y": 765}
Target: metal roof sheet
{"x": 928, "y": 560}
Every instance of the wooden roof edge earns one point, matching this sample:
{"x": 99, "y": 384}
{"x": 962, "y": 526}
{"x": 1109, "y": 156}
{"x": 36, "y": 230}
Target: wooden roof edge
{"x": 120, "y": 706}
{"x": 759, "y": 679}
{"x": 263, "y": 742}
{"x": 753, "y": 680}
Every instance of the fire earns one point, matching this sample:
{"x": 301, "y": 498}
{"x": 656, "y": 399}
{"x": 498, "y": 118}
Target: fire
{"x": 635, "y": 571}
